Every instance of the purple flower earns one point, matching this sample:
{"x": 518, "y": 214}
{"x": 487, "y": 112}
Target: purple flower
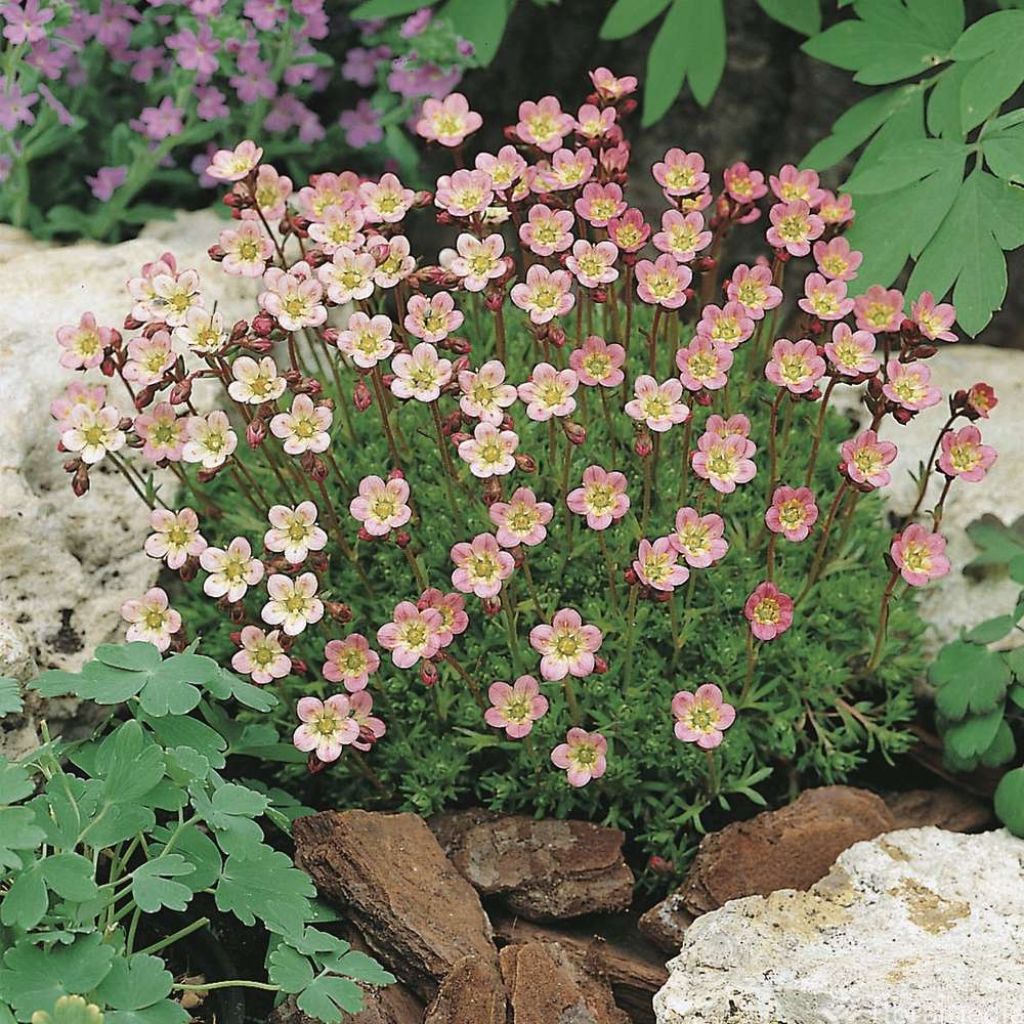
{"x": 145, "y": 62}
{"x": 16, "y": 107}
{"x": 205, "y": 8}
{"x": 105, "y": 181}
{"x": 62, "y": 112}
{"x": 264, "y": 14}
{"x": 362, "y": 125}
{"x": 159, "y": 122}
{"x": 211, "y": 104}
{"x": 196, "y": 52}
{"x": 199, "y": 164}
{"x": 416, "y": 23}
{"x": 360, "y": 64}
{"x": 250, "y": 88}
{"x": 25, "y": 24}
{"x": 412, "y": 81}
{"x": 49, "y": 60}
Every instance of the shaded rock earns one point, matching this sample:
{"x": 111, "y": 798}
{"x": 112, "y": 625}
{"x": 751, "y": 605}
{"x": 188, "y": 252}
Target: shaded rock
{"x": 944, "y": 807}
{"x": 473, "y": 991}
{"x": 543, "y": 870}
{"x": 631, "y": 965}
{"x": 789, "y": 848}
{"x": 546, "y": 986}
{"x": 919, "y": 925}
{"x": 417, "y": 914}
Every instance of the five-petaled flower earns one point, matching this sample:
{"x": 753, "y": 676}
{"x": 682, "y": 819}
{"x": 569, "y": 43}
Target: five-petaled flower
{"x": 866, "y": 458}
{"x": 699, "y": 538}
{"x": 549, "y": 392}
{"x": 150, "y": 619}
{"x": 769, "y": 611}
{"x": 490, "y": 451}
{"x": 602, "y": 498}
{"x": 293, "y": 531}
{"x": 327, "y": 726}
{"x": 261, "y": 655}
{"x": 381, "y": 506}
{"x": 420, "y": 374}
{"x": 413, "y": 633}
{"x": 582, "y": 756}
{"x": 566, "y": 646}
{"x": 304, "y": 427}
{"x": 920, "y": 555}
{"x": 964, "y": 456}
{"x": 515, "y": 708}
{"x": 657, "y": 405}
{"x": 350, "y": 662}
{"x": 175, "y": 537}
{"x": 545, "y": 294}
{"x": 657, "y": 566}
{"x": 481, "y": 566}
{"x": 795, "y": 365}
{"x": 792, "y": 512}
{"x": 702, "y": 717}
{"x": 522, "y": 519}
{"x": 909, "y": 386}
{"x": 293, "y": 603}
{"x": 232, "y": 570}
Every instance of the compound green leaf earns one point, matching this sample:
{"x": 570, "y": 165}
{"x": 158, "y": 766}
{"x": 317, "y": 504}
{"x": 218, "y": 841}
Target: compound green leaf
{"x": 1004, "y": 153}
{"x": 71, "y": 876}
{"x": 910, "y": 163}
{"x": 26, "y": 902}
{"x": 32, "y": 977}
{"x": 289, "y": 969}
{"x": 990, "y": 82}
{"x": 18, "y": 831}
{"x": 707, "y": 51}
{"x": 328, "y": 999}
{"x": 970, "y": 679}
{"x": 974, "y": 735}
{"x": 265, "y": 885}
{"x": 1002, "y": 749}
{"x": 15, "y": 782}
{"x": 989, "y": 34}
{"x": 153, "y": 884}
{"x": 991, "y": 629}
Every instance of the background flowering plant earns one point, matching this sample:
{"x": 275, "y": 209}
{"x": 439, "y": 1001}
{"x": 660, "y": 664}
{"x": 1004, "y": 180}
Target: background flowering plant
{"x": 554, "y": 522}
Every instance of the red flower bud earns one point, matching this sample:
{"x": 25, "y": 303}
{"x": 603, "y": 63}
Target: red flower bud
{"x": 491, "y": 606}
{"x": 181, "y": 392}
{"x": 299, "y": 667}
{"x": 108, "y": 367}
{"x": 338, "y": 611}
{"x": 428, "y": 673}
{"x": 492, "y": 491}
{"x": 556, "y": 335}
{"x": 526, "y": 463}
{"x": 600, "y": 665}
{"x": 239, "y": 331}
{"x": 361, "y": 397}
{"x": 660, "y": 866}
{"x": 263, "y": 323}
{"x": 216, "y": 253}
{"x": 330, "y": 335}
{"x": 256, "y": 433}
{"x": 494, "y": 300}
{"x": 365, "y": 535}
{"x": 80, "y": 481}
{"x": 643, "y": 445}
{"x": 402, "y": 539}
{"x": 314, "y": 765}
{"x": 630, "y": 577}
{"x": 189, "y": 569}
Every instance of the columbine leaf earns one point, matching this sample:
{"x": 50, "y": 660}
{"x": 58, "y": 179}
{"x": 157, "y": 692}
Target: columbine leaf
{"x": 970, "y": 680}
{"x": 361, "y": 967}
{"x": 373, "y": 9}
{"x": 198, "y": 849}
{"x": 265, "y": 885}
{"x": 71, "y": 876}
{"x": 32, "y": 977}
{"x": 18, "y": 831}
{"x": 800, "y": 15}
{"x": 1004, "y": 153}
{"x": 27, "y": 900}
{"x": 167, "y": 1011}
{"x": 667, "y": 61}
{"x": 190, "y": 732}
{"x": 902, "y": 167}
{"x": 10, "y": 696}
{"x": 997, "y": 543}
{"x": 230, "y": 813}
{"x": 991, "y": 81}
{"x": 991, "y": 629}
{"x": 135, "y": 983}
{"x": 629, "y": 16}
{"x": 329, "y": 998}
{"x": 1009, "y": 801}
{"x": 132, "y": 657}
{"x": 153, "y": 886}
{"x": 974, "y": 735}
{"x": 1002, "y": 749}
{"x": 131, "y": 763}
{"x": 707, "y": 51}
{"x": 15, "y": 782}
{"x": 172, "y": 688}
{"x": 289, "y": 969}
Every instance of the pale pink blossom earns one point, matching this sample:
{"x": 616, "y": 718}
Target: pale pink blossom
{"x": 546, "y": 231}
{"x": 92, "y": 433}
{"x": 567, "y": 646}
{"x": 836, "y": 260}
{"x": 909, "y": 386}
{"x": 394, "y": 262}
{"x": 420, "y": 374}
{"x": 327, "y": 726}
{"x": 657, "y": 405}
{"x": 235, "y": 164}
{"x": 600, "y": 203}
{"x": 704, "y": 363}
{"x": 505, "y": 169}
{"x": 256, "y": 382}
{"x": 545, "y": 294}
{"x": 294, "y": 297}
{"x": 210, "y": 440}
{"x": 865, "y": 458}
{"x": 791, "y": 184}
{"x": 271, "y": 193}
{"x": 84, "y": 343}
{"x": 349, "y": 275}
{"x": 851, "y": 352}
{"x": 792, "y": 512}
{"x": 490, "y": 451}
{"x": 478, "y": 261}
{"x": 341, "y": 226}
{"x": 304, "y": 427}
{"x": 381, "y": 506}
{"x": 964, "y": 456}
{"x": 769, "y": 611}
{"x": 371, "y": 728}
{"x": 413, "y": 633}
{"x": 232, "y": 570}
{"x": 91, "y": 396}
{"x": 598, "y": 363}
{"x": 293, "y": 603}
{"x": 367, "y": 340}
{"x": 261, "y": 656}
{"x": 724, "y": 462}
{"x": 386, "y": 201}
{"x": 549, "y": 392}
{"x": 515, "y": 708}
{"x": 447, "y": 121}
{"x": 175, "y": 537}
{"x": 736, "y": 425}
{"x": 202, "y": 331}
{"x": 432, "y": 319}
{"x": 630, "y": 231}
{"x": 835, "y": 209}
{"x": 827, "y": 300}
{"x": 753, "y": 288}
{"x": 569, "y": 170}
{"x": 543, "y": 124}
{"x": 657, "y": 567}
{"x": 744, "y": 185}
{"x": 582, "y": 756}
{"x": 680, "y": 173}
{"x": 920, "y": 555}
{"x": 480, "y": 566}
{"x": 728, "y": 325}
{"x": 935, "y": 321}
{"x": 602, "y": 498}
{"x": 793, "y": 227}
{"x": 522, "y": 519}
{"x": 682, "y": 235}
{"x": 702, "y": 717}
{"x": 350, "y": 662}
{"x": 293, "y": 532}
{"x": 795, "y": 365}
{"x": 593, "y": 265}
{"x": 485, "y": 395}
{"x": 879, "y": 310}
{"x": 594, "y": 122}
{"x": 150, "y": 619}
{"x": 699, "y": 539}
{"x": 451, "y": 608}
{"x": 149, "y": 358}
{"x": 246, "y": 249}
{"x": 327, "y": 190}
{"x": 464, "y": 193}
{"x": 163, "y": 433}
{"x": 609, "y": 87}
{"x": 663, "y": 282}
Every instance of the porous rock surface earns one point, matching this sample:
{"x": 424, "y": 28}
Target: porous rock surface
{"x": 472, "y": 991}
{"x": 543, "y": 870}
{"x": 915, "y": 926}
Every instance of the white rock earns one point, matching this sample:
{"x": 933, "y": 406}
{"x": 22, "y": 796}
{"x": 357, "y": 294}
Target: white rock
{"x": 915, "y": 927}
{"x": 67, "y": 564}
{"x": 958, "y": 600}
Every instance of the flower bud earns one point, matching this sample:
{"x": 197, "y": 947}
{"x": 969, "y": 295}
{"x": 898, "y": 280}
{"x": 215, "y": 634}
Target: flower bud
{"x": 494, "y": 300}
{"x": 630, "y": 577}
{"x": 576, "y": 433}
{"x": 338, "y": 611}
{"x": 364, "y": 535}
{"x": 903, "y": 416}
{"x": 460, "y": 364}
{"x": 402, "y": 538}
{"x": 525, "y": 463}
{"x": 330, "y": 335}
{"x": 660, "y": 866}
{"x": 428, "y": 673}
{"x": 492, "y": 491}
{"x": 643, "y": 445}
{"x": 361, "y": 397}
{"x": 256, "y": 433}
{"x": 236, "y": 612}
{"x": 556, "y": 335}
{"x": 315, "y": 467}
{"x": 263, "y": 323}
{"x": 600, "y": 665}
{"x": 299, "y": 667}
{"x": 491, "y": 606}
{"x": 145, "y": 396}
{"x": 181, "y": 392}
{"x": 239, "y": 331}
{"x": 131, "y": 324}
{"x": 314, "y": 765}
{"x": 216, "y": 253}
{"x": 108, "y": 367}
{"x": 599, "y": 295}
{"x": 80, "y": 481}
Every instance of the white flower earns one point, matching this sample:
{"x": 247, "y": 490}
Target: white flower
{"x": 420, "y": 374}
{"x": 150, "y": 619}
{"x": 367, "y": 340}
{"x": 349, "y": 276}
{"x": 92, "y": 433}
{"x": 294, "y": 531}
{"x": 176, "y": 536}
{"x": 293, "y": 604}
{"x": 174, "y": 296}
{"x": 255, "y": 383}
{"x": 211, "y": 440}
{"x": 232, "y": 572}
{"x": 202, "y": 331}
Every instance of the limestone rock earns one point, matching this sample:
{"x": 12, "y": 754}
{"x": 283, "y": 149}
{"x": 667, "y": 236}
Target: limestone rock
{"x": 913, "y": 926}
{"x": 788, "y": 848}
{"x": 417, "y": 914}
{"x": 543, "y": 870}
{"x": 472, "y": 991}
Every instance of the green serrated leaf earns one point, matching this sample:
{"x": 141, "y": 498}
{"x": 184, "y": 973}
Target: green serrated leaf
{"x": 32, "y": 977}
{"x": 10, "y": 696}
{"x": 329, "y": 998}
{"x": 265, "y": 885}
{"x": 71, "y": 876}
{"x": 26, "y": 902}
{"x": 1009, "y": 801}
{"x": 153, "y": 885}
{"x": 15, "y": 782}
{"x": 974, "y": 735}
{"x": 361, "y": 967}
{"x": 289, "y": 969}
{"x": 629, "y": 16}
{"x": 197, "y": 848}
{"x": 970, "y": 679}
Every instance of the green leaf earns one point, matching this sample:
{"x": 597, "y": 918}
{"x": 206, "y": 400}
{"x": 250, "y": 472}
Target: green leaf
{"x": 1004, "y": 153}
{"x": 329, "y": 998}
{"x": 629, "y": 16}
{"x": 944, "y": 102}
{"x": 991, "y": 629}
{"x": 289, "y": 969}
{"x": 990, "y": 82}
{"x": 10, "y": 696}
{"x": 18, "y": 831}
{"x": 135, "y": 983}
{"x": 482, "y": 22}
{"x": 27, "y": 900}
{"x": 71, "y": 876}
{"x": 1002, "y": 749}
{"x": 153, "y": 888}
{"x": 707, "y": 51}
{"x": 802, "y": 16}
{"x": 136, "y": 656}
{"x": 989, "y": 34}
{"x": 361, "y": 967}
{"x": 970, "y": 680}
{"x": 131, "y": 763}
{"x": 1009, "y": 801}
{"x": 167, "y": 1011}
{"x": 998, "y": 543}
{"x": 667, "y": 61}
{"x": 373, "y": 9}
{"x": 1005, "y": 203}
{"x": 230, "y": 812}
{"x": 198, "y": 849}
{"x": 15, "y": 782}
{"x": 858, "y": 124}
{"x": 32, "y": 977}
{"x": 974, "y": 735}
{"x": 173, "y": 731}
{"x": 907, "y": 165}
{"x": 265, "y": 885}
{"x": 171, "y": 687}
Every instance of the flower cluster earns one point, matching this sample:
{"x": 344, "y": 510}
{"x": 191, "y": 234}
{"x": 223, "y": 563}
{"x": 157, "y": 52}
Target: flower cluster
{"x": 633, "y": 449}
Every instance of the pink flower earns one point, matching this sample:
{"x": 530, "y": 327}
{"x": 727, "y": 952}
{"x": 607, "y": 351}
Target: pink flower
{"x": 545, "y": 295}
{"x": 293, "y": 603}
{"x": 349, "y": 275}
{"x": 163, "y": 432}
{"x": 515, "y": 708}
{"x": 981, "y": 399}
{"x": 505, "y": 169}
{"x": 485, "y": 395}
{"x": 367, "y": 340}
{"x": 656, "y": 404}
{"x": 546, "y": 231}
{"x": 341, "y": 226}
{"x": 600, "y": 203}
{"x": 150, "y": 619}
{"x": 795, "y": 365}
{"x": 210, "y": 440}
{"x": 825, "y": 299}
{"x": 836, "y": 260}
{"x": 543, "y": 124}
{"x": 387, "y": 201}
{"x": 602, "y": 498}
{"x": 420, "y": 374}
{"x": 704, "y": 363}
{"x": 412, "y": 634}
{"x": 850, "y": 352}
{"x": 232, "y": 571}
{"x": 598, "y": 363}
{"x": 769, "y": 611}
{"x": 909, "y": 385}
{"x": 451, "y": 608}
{"x": 304, "y": 427}
{"x": 920, "y": 555}
{"x": 737, "y": 425}
{"x": 743, "y": 184}
{"x": 521, "y": 520}
{"x": 91, "y": 433}
{"x": 381, "y": 506}
{"x": 593, "y": 265}
{"x": 261, "y": 657}
{"x": 630, "y": 231}
{"x": 235, "y": 164}
{"x": 350, "y": 661}
{"x": 394, "y": 263}
{"x": 681, "y": 174}
{"x": 149, "y": 358}
{"x": 879, "y": 310}
{"x": 752, "y": 286}
{"x": 794, "y": 227}
{"x": 724, "y": 462}
{"x": 582, "y": 756}
{"x": 202, "y": 331}
{"x": 964, "y": 456}
{"x": 478, "y": 260}
{"x": 327, "y": 726}
{"x": 370, "y": 728}
{"x": 656, "y": 565}
{"x": 792, "y": 512}
{"x": 175, "y": 537}
{"x": 790, "y": 185}
{"x": 327, "y": 190}
{"x": 663, "y": 282}
{"x": 448, "y": 121}
{"x": 699, "y": 538}
{"x": 490, "y": 451}
{"x": 464, "y": 193}
{"x": 432, "y": 319}
{"x": 702, "y": 717}
{"x": 835, "y": 210}
{"x": 293, "y": 532}
{"x": 682, "y": 236}
{"x": 730, "y": 325}
{"x": 294, "y": 297}
{"x": 934, "y": 321}
{"x": 865, "y": 459}
{"x": 272, "y": 192}
{"x": 568, "y": 170}
{"x": 84, "y": 344}
{"x": 610, "y": 88}
{"x": 549, "y": 391}
{"x": 481, "y": 566}
{"x": 594, "y": 122}
{"x": 77, "y": 393}
{"x": 566, "y": 646}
